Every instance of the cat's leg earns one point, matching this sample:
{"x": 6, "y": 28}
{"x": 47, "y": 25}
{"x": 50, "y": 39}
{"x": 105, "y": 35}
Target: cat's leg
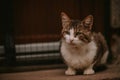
{"x": 89, "y": 70}
{"x": 104, "y": 58}
{"x": 70, "y": 71}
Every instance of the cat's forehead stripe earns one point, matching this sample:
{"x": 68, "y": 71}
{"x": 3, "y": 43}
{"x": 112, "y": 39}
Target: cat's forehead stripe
{"x": 74, "y": 23}
{"x": 71, "y": 32}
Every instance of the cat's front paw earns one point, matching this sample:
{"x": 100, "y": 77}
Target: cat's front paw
{"x": 89, "y": 71}
{"x": 70, "y": 72}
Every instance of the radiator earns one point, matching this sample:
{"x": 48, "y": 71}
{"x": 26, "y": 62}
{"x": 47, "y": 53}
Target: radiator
{"x": 35, "y": 51}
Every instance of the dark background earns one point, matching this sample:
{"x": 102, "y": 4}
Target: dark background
{"x": 39, "y": 20}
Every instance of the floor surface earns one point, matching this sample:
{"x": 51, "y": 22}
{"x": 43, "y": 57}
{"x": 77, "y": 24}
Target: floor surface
{"x": 111, "y": 73}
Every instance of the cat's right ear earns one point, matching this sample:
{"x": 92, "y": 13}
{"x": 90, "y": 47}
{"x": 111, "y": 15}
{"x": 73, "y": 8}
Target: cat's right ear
{"x": 88, "y": 22}
{"x": 65, "y": 19}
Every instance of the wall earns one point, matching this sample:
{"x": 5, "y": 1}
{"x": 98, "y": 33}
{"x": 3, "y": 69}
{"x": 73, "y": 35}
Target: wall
{"x": 39, "y": 20}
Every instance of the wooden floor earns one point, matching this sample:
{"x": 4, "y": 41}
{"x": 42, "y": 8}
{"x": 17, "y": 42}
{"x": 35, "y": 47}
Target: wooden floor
{"x": 111, "y": 73}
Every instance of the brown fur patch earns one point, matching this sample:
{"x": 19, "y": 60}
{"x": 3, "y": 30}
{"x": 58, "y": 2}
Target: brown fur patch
{"x": 102, "y": 46}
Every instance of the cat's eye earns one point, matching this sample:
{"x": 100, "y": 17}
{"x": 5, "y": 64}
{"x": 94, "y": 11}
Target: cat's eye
{"x": 78, "y": 33}
{"x": 67, "y": 32}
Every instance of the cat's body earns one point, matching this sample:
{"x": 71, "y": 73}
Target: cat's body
{"x": 80, "y": 48}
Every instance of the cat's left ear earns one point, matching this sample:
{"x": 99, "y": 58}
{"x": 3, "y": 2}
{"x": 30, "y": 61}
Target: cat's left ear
{"x": 88, "y": 22}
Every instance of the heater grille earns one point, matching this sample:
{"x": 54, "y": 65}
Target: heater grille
{"x": 35, "y": 52}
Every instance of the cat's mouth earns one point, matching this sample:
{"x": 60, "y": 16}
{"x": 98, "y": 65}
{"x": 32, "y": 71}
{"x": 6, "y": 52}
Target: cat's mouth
{"x": 76, "y": 43}
{"x": 71, "y": 43}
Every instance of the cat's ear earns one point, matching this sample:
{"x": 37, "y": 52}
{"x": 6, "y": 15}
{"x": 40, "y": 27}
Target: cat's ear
{"x": 65, "y": 19}
{"x": 88, "y": 22}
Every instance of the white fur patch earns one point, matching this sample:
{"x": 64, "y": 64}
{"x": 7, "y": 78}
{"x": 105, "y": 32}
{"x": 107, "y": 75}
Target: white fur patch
{"x": 69, "y": 37}
{"x": 78, "y": 57}
{"x": 72, "y": 34}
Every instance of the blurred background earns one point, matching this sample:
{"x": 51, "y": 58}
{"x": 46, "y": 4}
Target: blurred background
{"x": 31, "y": 29}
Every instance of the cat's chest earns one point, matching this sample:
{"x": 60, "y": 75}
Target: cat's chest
{"x": 79, "y": 56}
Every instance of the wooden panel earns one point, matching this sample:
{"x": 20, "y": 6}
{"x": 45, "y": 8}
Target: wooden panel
{"x": 35, "y": 18}
{"x": 99, "y": 15}
{"x": 1, "y": 42}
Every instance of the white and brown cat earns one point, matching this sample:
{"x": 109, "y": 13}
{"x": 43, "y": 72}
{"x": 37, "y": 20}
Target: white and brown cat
{"x": 81, "y": 48}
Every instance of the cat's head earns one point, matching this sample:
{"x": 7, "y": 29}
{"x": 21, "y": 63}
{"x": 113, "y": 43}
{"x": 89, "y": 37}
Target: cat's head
{"x": 75, "y": 31}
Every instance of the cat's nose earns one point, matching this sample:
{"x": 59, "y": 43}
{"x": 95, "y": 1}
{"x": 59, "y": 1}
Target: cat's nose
{"x": 71, "y": 40}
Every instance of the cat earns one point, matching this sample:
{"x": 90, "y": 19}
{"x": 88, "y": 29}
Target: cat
{"x": 81, "y": 48}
